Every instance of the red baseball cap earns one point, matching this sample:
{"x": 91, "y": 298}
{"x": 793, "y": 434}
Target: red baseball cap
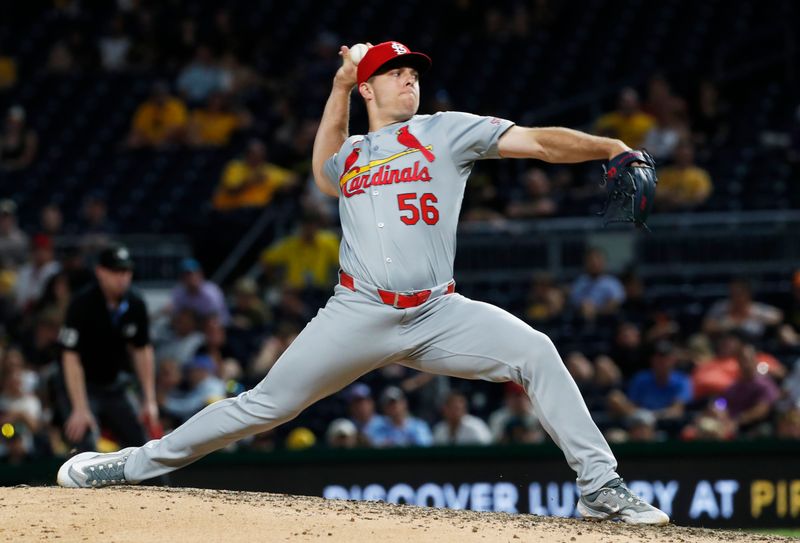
{"x": 380, "y": 54}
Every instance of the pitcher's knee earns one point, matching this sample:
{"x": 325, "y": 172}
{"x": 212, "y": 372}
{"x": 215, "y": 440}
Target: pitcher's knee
{"x": 541, "y": 356}
{"x": 265, "y": 410}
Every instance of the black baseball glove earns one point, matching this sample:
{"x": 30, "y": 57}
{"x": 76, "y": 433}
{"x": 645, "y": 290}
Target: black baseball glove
{"x": 630, "y": 181}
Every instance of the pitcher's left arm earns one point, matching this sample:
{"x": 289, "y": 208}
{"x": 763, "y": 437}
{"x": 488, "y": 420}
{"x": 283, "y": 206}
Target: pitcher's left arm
{"x": 557, "y": 145}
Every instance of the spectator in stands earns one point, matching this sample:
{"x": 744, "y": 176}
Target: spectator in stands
{"x": 670, "y": 114}
{"x": 519, "y": 430}
{"x": 517, "y": 409}
{"x": 342, "y": 434}
{"x": 40, "y": 338}
{"x": 214, "y": 124}
{"x": 307, "y": 259}
{"x": 34, "y": 275}
{"x": 458, "y": 426}
{"x": 740, "y": 312}
{"x": 663, "y": 139}
{"x": 661, "y": 390}
{"x": 197, "y": 294}
{"x": 114, "y": 46}
{"x": 642, "y": 427}
{"x": 13, "y": 241}
{"x": 18, "y": 142}
{"x": 596, "y": 292}
{"x": 248, "y": 311}
{"x": 627, "y": 350}
{"x": 181, "y": 340}
{"x": 13, "y": 358}
{"x": 482, "y": 201}
{"x": 51, "y": 220}
{"x": 273, "y": 348}
{"x": 712, "y": 424}
{"x": 252, "y": 181}
{"x": 160, "y": 121}
{"x": 684, "y": 185}
{"x": 751, "y": 398}
{"x": 628, "y": 123}
{"x": 361, "y": 409}
{"x": 661, "y": 103}
{"x": 95, "y": 225}
{"x": 536, "y": 199}
{"x": 201, "y": 77}
{"x": 595, "y": 380}
{"x": 398, "y": 428}
{"x": 55, "y": 297}
{"x": 239, "y": 79}
{"x": 203, "y": 387}
{"x": 546, "y": 299}
{"x": 712, "y": 377}
{"x": 215, "y": 344}
{"x": 20, "y": 414}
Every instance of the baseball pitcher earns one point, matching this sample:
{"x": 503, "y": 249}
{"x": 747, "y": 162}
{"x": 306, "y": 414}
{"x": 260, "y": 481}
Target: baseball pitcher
{"x": 400, "y": 188}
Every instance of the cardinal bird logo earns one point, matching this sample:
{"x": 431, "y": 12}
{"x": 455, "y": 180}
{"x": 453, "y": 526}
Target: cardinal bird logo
{"x": 404, "y": 137}
{"x": 350, "y": 160}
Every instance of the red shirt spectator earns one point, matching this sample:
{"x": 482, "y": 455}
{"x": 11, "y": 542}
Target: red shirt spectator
{"x": 715, "y": 376}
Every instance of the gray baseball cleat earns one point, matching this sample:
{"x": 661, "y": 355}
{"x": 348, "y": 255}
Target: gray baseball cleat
{"x": 93, "y": 470}
{"x": 616, "y": 501}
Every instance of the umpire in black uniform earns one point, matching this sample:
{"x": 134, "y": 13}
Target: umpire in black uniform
{"x": 105, "y": 334}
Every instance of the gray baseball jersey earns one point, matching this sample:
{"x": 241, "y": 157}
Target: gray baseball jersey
{"x": 401, "y": 189}
{"x": 400, "y": 193}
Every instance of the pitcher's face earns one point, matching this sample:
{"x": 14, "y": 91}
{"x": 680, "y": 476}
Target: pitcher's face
{"x": 395, "y": 93}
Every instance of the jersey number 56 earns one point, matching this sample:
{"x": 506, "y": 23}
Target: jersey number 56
{"x": 426, "y": 211}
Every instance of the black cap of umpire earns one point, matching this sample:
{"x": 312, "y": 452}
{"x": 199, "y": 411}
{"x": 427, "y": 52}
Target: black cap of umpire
{"x": 115, "y": 257}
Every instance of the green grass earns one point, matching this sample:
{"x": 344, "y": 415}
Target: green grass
{"x": 788, "y": 532}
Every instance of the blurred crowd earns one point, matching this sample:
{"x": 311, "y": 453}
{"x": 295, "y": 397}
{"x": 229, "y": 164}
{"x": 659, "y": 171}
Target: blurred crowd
{"x": 220, "y": 85}
{"x": 736, "y": 375}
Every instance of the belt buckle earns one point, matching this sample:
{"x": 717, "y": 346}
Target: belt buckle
{"x": 405, "y": 294}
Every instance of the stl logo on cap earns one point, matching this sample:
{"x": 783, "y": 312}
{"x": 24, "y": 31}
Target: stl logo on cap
{"x": 399, "y": 48}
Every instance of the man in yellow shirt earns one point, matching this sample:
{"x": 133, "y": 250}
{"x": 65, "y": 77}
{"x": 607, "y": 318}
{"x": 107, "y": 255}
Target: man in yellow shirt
{"x": 214, "y": 124}
{"x": 251, "y": 182}
{"x": 309, "y": 259}
{"x": 628, "y": 123}
{"x": 683, "y": 185}
{"x": 161, "y": 120}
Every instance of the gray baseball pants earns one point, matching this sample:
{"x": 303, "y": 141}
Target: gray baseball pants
{"x": 354, "y": 334}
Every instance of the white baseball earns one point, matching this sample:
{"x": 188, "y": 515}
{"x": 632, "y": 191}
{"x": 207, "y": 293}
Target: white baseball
{"x": 357, "y": 52}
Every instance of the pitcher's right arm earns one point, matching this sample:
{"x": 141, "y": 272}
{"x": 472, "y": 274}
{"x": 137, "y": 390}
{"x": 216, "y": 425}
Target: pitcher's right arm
{"x": 334, "y": 126}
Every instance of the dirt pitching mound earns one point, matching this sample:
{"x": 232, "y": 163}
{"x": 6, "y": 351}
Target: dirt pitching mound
{"x": 178, "y": 515}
